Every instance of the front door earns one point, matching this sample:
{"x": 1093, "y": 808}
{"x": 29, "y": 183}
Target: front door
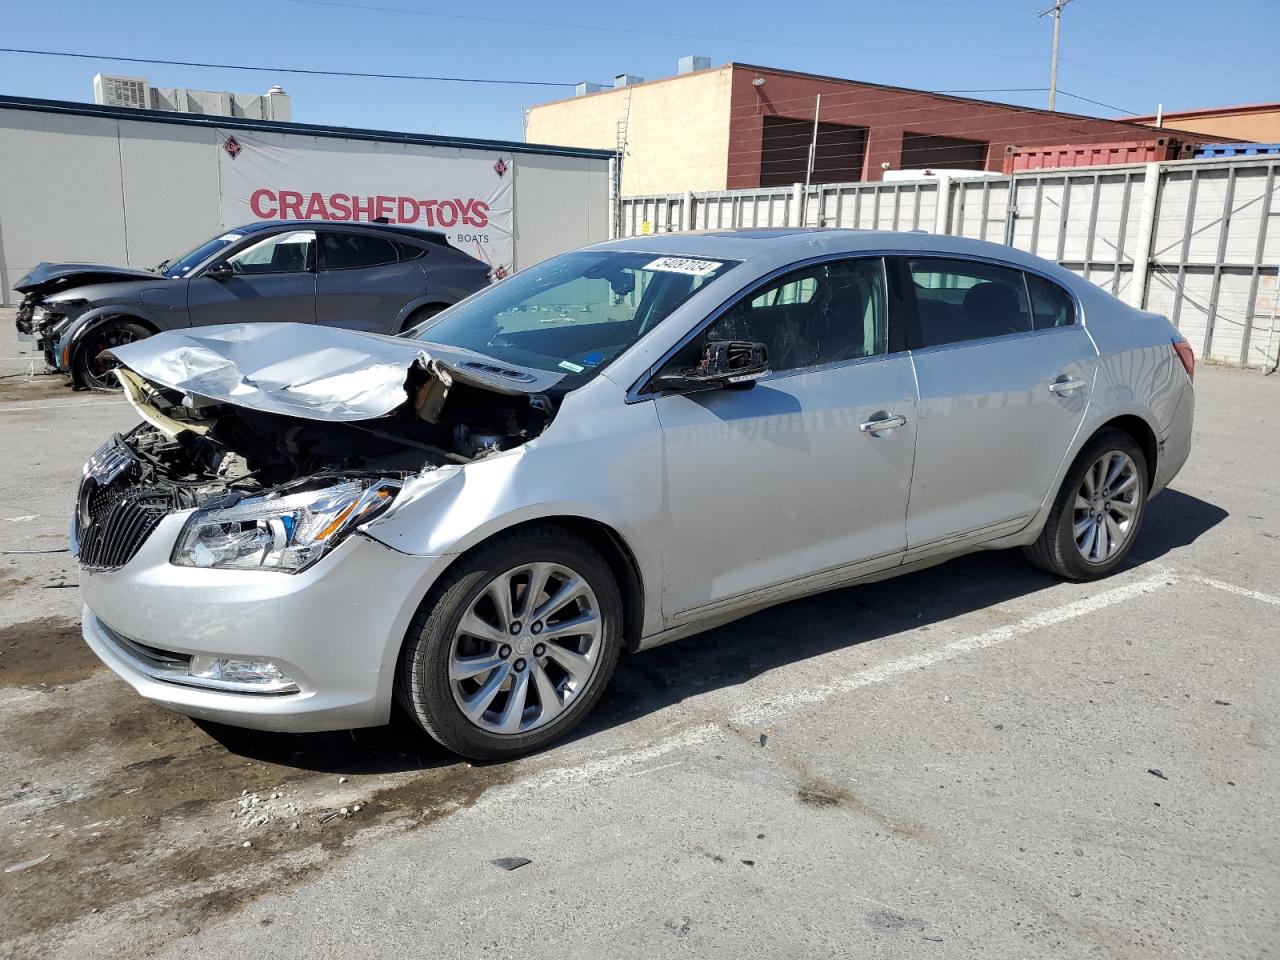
{"x": 802, "y": 480}
{"x": 272, "y": 279}
{"x": 1005, "y": 371}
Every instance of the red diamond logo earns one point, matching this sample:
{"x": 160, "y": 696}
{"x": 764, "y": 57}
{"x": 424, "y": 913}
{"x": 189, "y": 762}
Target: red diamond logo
{"x": 499, "y": 272}
{"x": 232, "y": 146}
{"x": 500, "y": 167}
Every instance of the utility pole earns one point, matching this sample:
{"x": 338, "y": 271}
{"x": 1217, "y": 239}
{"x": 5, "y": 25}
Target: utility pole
{"x": 1056, "y": 10}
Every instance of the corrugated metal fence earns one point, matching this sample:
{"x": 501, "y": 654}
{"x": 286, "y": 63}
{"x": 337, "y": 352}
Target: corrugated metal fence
{"x": 1198, "y": 241}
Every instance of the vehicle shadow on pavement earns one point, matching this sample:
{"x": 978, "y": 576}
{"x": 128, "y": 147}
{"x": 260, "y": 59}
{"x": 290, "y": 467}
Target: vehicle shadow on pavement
{"x": 736, "y": 653}
{"x": 796, "y": 631}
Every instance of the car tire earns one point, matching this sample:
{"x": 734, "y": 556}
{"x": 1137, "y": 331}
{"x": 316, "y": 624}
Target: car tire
{"x": 456, "y": 629}
{"x": 86, "y": 369}
{"x": 421, "y": 315}
{"x": 1078, "y": 541}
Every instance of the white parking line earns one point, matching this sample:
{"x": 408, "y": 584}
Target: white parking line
{"x": 18, "y": 406}
{"x": 763, "y": 713}
{"x": 1232, "y": 588}
{"x": 630, "y": 762}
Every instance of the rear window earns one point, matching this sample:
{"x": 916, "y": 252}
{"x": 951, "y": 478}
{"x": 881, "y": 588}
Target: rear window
{"x": 959, "y": 300}
{"x": 1051, "y": 306}
{"x": 348, "y": 251}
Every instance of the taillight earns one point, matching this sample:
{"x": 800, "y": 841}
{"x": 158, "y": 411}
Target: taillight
{"x": 1186, "y": 355}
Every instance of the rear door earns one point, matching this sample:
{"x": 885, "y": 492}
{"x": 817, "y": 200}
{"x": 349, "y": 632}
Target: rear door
{"x": 366, "y": 280}
{"x": 802, "y": 480}
{"x": 1005, "y": 371}
{"x": 273, "y": 278}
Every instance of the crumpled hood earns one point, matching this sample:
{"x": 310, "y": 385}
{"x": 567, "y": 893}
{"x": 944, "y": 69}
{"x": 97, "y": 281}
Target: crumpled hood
{"x": 311, "y": 371}
{"x": 63, "y": 275}
{"x": 293, "y": 369}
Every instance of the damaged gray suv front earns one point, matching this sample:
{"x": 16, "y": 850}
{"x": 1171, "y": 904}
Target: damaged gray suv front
{"x": 619, "y": 447}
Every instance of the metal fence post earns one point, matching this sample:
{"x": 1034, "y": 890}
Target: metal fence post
{"x": 797, "y": 205}
{"x": 686, "y": 211}
{"x": 1146, "y": 235}
{"x": 942, "y": 212}
{"x": 615, "y": 201}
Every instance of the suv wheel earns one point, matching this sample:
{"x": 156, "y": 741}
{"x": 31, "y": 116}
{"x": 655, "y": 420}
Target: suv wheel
{"x": 514, "y": 646}
{"x": 1098, "y": 512}
{"x": 89, "y": 368}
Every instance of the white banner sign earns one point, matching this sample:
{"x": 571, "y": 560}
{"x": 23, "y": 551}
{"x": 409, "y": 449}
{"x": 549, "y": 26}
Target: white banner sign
{"x": 466, "y": 194}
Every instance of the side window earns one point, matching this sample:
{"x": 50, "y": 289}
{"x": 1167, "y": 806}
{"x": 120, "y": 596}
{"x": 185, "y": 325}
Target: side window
{"x": 821, "y": 314}
{"x": 1050, "y": 304}
{"x": 293, "y": 252}
{"x": 408, "y": 251}
{"x": 346, "y": 251}
{"x": 960, "y": 300}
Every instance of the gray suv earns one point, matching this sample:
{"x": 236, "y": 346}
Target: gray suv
{"x": 377, "y": 278}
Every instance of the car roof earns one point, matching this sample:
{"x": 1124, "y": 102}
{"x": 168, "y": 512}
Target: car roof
{"x": 415, "y": 233}
{"x": 801, "y": 243}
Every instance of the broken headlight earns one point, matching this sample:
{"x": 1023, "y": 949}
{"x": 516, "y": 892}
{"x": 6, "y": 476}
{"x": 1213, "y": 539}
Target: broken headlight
{"x": 286, "y": 533}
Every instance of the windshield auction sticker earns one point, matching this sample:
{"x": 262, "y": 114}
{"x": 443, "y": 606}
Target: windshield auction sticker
{"x": 686, "y": 265}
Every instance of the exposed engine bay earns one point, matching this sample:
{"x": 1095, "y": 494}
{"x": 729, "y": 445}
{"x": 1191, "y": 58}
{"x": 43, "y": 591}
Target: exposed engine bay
{"x": 200, "y": 450}
{"x": 284, "y": 439}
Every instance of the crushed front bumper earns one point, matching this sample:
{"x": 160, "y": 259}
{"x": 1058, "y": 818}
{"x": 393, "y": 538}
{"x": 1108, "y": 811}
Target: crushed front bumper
{"x": 334, "y": 629}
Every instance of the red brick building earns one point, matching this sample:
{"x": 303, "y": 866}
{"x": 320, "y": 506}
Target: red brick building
{"x": 743, "y": 125}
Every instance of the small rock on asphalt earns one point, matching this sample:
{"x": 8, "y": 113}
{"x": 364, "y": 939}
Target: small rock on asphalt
{"x": 510, "y": 863}
{"x": 1156, "y": 772}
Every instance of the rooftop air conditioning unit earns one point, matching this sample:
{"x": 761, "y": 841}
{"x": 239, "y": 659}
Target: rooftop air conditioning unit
{"x": 116, "y": 91}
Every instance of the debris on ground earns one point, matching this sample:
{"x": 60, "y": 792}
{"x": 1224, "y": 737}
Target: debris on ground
{"x": 1156, "y": 772}
{"x": 1223, "y": 703}
{"x": 764, "y": 738}
{"x": 14, "y": 868}
{"x": 510, "y": 863}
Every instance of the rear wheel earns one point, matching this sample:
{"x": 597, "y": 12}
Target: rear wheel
{"x": 89, "y": 368}
{"x": 514, "y": 646}
{"x": 1098, "y": 512}
{"x": 421, "y": 315}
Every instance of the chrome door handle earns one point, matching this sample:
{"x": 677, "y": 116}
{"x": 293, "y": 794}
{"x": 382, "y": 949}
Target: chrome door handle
{"x": 1065, "y": 384}
{"x": 883, "y": 421}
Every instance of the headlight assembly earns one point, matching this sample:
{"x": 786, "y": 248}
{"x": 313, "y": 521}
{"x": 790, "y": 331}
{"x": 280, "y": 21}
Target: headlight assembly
{"x": 286, "y": 534}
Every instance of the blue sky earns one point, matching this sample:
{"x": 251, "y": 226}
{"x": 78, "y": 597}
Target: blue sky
{"x": 1130, "y": 55}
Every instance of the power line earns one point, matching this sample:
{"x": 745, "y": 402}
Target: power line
{"x": 300, "y": 70}
{"x": 682, "y": 35}
{"x": 1099, "y": 103}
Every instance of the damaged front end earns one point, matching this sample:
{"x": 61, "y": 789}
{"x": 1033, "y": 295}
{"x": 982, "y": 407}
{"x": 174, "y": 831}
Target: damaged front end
{"x": 280, "y": 461}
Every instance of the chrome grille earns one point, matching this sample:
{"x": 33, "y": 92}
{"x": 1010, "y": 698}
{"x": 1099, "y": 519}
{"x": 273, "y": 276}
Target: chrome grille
{"x": 114, "y": 516}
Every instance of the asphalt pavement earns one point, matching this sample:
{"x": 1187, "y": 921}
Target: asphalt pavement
{"x": 971, "y": 761}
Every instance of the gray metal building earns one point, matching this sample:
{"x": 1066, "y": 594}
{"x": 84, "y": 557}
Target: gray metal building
{"x": 115, "y": 185}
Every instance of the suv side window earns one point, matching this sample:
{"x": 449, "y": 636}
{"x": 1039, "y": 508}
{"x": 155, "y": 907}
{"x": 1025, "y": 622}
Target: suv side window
{"x": 959, "y": 300}
{"x": 347, "y": 251}
{"x": 1050, "y": 304}
{"x": 292, "y": 252}
{"x": 820, "y": 314}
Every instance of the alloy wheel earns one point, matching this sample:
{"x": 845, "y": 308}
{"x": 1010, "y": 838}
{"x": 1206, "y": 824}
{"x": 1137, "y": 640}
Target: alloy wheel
{"x": 525, "y": 648}
{"x": 1106, "y": 506}
{"x": 99, "y": 367}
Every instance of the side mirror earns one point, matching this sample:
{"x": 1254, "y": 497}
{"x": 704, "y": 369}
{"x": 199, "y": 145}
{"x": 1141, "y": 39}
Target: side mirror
{"x": 220, "y": 271}
{"x": 724, "y": 363}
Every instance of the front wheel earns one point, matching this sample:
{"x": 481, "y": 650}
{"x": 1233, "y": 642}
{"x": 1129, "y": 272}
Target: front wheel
{"x": 514, "y": 646}
{"x": 89, "y": 368}
{"x": 1098, "y": 512}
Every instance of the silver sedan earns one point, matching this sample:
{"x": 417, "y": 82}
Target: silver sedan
{"x": 613, "y": 449}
